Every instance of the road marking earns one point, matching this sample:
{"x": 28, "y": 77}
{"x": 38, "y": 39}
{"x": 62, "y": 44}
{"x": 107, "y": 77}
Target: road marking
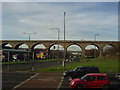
{"x": 58, "y": 87}
{"x": 25, "y": 81}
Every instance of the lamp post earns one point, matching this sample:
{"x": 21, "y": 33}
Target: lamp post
{"x": 8, "y": 60}
{"x": 58, "y": 38}
{"x": 32, "y": 61}
{"x": 95, "y": 36}
{"x": 94, "y": 46}
{"x": 64, "y": 43}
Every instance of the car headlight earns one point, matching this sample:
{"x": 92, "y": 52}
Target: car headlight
{"x": 72, "y": 83}
{"x": 64, "y": 73}
{"x": 119, "y": 76}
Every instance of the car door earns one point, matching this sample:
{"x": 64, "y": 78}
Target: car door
{"x": 77, "y": 72}
{"x": 100, "y": 81}
{"x": 90, "y": 82}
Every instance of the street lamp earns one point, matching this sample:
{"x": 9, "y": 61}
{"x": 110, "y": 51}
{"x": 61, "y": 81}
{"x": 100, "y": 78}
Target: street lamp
{"x": 58, "y": 38}
{"x": 95, "y": 36}
{"x": 94, "y": 46}
{"x": 32, "y": 61}
{"x": 64, "y": 43}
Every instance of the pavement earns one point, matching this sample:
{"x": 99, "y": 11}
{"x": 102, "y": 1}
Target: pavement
{"x": 41, "y": 81}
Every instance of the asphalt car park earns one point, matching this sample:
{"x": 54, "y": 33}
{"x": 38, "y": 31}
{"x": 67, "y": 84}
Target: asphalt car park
{"x": 11, "y": 79}
{"x": 14, "y": 74}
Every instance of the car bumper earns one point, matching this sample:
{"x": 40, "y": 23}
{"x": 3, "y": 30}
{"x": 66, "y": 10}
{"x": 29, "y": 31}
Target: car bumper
{"x": 72, "y": 86}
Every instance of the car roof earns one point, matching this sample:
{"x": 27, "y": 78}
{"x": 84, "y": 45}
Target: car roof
{"x": 102, "y": 74}
{"x": 87, "y": 67}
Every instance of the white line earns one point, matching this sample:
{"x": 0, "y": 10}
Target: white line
{"x": 58, "y": 87}
{"x": 25, "y": 81}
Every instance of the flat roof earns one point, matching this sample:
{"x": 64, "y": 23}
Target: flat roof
{"x": 13, "y": 50}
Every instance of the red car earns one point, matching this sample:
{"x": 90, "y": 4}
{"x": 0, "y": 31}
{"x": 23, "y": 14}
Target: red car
{"x": 92, "y": 80}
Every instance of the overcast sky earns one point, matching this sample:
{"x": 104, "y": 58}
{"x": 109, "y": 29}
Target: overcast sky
{"x": 83, "y": 20}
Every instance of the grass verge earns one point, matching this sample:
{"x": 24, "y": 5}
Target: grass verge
{"x": 104, "y": 65}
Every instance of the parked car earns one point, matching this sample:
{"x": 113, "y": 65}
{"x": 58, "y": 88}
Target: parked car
{"x": 79, "y": 72}
{"x": 92, "y": 80}
{"x": 118, "y": 76}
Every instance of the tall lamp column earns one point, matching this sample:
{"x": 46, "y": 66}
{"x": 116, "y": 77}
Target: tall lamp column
{"x": 64, "y": 43}
{"x": 32, "y": 61}
{"x": 58, "y": 38}
{"x": 94, "y": 46}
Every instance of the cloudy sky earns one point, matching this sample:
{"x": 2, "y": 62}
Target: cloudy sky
{"x": 83, "y": 20}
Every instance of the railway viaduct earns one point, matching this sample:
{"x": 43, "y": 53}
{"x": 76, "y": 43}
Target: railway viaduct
{"x": 48, "y": 43}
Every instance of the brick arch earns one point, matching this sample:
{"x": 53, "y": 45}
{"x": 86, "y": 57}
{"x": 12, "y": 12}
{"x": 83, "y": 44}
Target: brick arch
{"x": 32, "y": 47}
{"x": 48, "y": 43}
{"x": 99, "y": 50}
{"x": 51, "y": 46}
{"x": 114, "y": 46}
{"x": 3, "y": 45}
{"x": 19, "y": 44}
{"x": 54, "y": 44}
{"x": 94, "y": 45}
{"x": 110, "y": 45}
{"x": 74, "y": 44}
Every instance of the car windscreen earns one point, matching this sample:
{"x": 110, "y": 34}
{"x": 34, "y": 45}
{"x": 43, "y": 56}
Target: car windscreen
{"x": 83, "y": 77}
{"x": 77, "y": 69}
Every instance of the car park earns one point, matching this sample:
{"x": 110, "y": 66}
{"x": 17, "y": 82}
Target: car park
{"x": 92, "y": 80}
{"x": 79, "y": 72}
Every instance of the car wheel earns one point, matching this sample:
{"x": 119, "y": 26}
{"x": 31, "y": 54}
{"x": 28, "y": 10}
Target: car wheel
{"x": 69, "y": 78}
{"x": 78, "y": 86}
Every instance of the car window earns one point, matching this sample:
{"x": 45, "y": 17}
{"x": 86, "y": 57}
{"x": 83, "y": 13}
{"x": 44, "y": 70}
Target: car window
{"x": 90, "y": 78}
{"x": 77, "y": 69}
{"x": 101, "y": 78}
